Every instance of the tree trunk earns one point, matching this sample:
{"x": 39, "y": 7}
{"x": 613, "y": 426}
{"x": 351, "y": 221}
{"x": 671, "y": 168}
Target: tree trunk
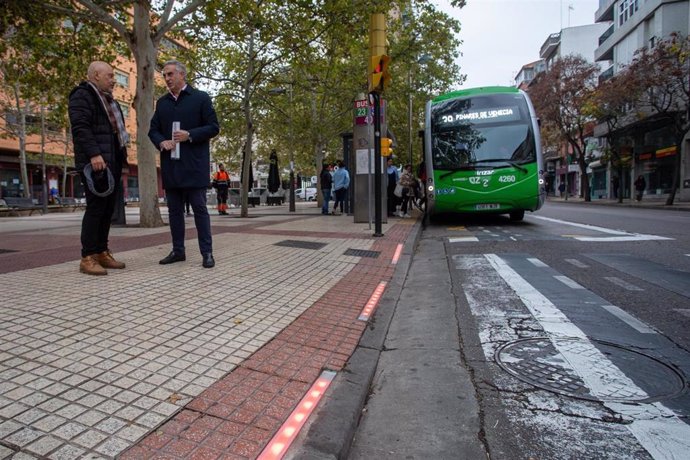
{"x": 23, "y": 171}
{"x": 247, "y": 108}
{"x": 676, "y": 171}
{"x": 145, "y": 55}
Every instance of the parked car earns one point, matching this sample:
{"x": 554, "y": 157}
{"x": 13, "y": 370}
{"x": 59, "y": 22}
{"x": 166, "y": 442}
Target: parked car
{"x": 306, "y": 194}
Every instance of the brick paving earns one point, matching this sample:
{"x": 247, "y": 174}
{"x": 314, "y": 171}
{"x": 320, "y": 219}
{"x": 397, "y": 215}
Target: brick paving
{"x": 178, "y": 361}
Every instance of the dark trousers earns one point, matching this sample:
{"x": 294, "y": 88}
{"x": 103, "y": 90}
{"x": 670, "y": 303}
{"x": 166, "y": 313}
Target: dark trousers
{"x": 392, "y": 199}
{"x": 202, "y": 221}
{"x": 95, "y": 226}
{"x": 222, "y": 195}
{"x": 340, "y": 196}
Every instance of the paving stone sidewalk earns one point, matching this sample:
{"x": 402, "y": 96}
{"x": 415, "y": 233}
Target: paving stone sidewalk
{"x": 177, "y": 361}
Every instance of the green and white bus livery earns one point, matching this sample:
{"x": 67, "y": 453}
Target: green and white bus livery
{"x": 482, "y": 153}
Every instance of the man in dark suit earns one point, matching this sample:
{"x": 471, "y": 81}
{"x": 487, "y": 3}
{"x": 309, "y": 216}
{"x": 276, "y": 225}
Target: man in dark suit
{"x": 100, "y": 141}
{"x": 189, "y": 172}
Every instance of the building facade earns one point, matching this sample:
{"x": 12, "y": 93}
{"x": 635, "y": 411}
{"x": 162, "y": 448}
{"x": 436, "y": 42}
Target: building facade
{"x": 650, "y": 148}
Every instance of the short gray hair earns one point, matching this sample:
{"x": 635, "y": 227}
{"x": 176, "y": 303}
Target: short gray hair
{"x": 180, "y": 67}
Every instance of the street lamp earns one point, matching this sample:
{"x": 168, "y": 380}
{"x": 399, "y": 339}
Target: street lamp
{"x": 274, "y": 92}
{"x": 423, "y": 59}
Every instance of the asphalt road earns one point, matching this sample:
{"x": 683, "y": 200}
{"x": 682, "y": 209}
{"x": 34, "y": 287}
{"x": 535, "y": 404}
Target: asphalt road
{"x": 566, "y": 335}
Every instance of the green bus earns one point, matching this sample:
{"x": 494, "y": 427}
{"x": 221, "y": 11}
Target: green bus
{"x": 482, "y": 153}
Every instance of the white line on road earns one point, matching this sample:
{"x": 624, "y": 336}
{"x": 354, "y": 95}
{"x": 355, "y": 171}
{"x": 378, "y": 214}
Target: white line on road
{"x": 622, "y": 235}
{"x": 656, "y": 427}
{"x": 462, "y": 239}
{"x": 623, "y": 284}
{"x": 630, "y": 320}
{"x": 577, "y": 263}
{"x": 536, "y": 262}
{"x": 568, "y": 282}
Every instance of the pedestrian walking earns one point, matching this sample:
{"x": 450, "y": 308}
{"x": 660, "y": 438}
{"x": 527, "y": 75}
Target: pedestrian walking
{"x": 326, "y": 186}
{"x": 341, "y": 182}
{"x": 221, "y": 182}
{"x": 393, "y": 175}
{"x": 408, "y": 182}
{"x": 100, "y": 152}
{"x": 182, "y": 126}
{"x": 640, "y": 185}
{"x": 561, "y": 188}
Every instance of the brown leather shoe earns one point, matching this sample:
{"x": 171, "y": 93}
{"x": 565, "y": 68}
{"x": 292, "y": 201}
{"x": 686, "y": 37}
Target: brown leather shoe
{"x": 106, "y": 260}
{"x": 90, "y": 266}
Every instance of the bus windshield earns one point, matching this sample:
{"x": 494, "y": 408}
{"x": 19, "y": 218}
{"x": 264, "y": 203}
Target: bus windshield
{"x": 486, "y": 131}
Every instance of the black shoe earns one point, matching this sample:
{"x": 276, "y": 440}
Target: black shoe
{"x": 172, "y": 258}
{"x": 208, "y": 261}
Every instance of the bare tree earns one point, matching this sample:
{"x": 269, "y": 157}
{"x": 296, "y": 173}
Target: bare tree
{"x": 559, "y": 97}
{"x": 664, "y": 74}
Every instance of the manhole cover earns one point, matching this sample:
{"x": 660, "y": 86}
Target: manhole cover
{"x": 300, "y": 244}
{"x": 542, "y": 362}
{"x": 362, "y": 253}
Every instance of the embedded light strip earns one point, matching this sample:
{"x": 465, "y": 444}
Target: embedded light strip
{"x": 373, "y": 302}
{"x": 396, "y": 256}
{"x": 287, "y": 433}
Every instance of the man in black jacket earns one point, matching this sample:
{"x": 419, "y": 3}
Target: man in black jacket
{"x": 100, "y": 140}
{"x": 189, "y": 171}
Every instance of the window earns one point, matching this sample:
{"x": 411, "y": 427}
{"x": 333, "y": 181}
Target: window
{"x": 125, "y": 109}
{"x": 122, "y": 79}
{"x": 626, "y": 8}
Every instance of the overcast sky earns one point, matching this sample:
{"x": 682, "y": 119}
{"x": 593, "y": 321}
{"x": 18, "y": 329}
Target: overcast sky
{"x": 500, "y": 36}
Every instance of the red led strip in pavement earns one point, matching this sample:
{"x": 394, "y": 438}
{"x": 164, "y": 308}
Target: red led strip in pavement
{"x": 396, "y": 256}
{"x": 287, "y": 433}
{"x": 373, "y": 302}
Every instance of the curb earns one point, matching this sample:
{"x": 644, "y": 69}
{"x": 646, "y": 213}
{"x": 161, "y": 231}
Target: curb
{"x": 328, "y": 434}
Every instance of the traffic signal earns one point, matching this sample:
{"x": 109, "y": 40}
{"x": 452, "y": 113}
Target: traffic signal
{"x": 386, "y": 146}
{"x": 379, "y": 77}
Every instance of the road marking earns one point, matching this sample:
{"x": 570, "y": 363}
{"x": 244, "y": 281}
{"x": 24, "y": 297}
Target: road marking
{"x": 636, "y": 237}
{"x": 536, "y": 262}
{"x": 287, "y": 433}
{"x": 577, "y": 263}
{"x": 463, "y": 239}
{"x": 630, "y": 320}
{"x": 622, "y": 235}
{"x": 568, "y": 282}
{"x": 656, "y": 427}
{"x": 623, "y": 284}
{"x": 587, "y": 226}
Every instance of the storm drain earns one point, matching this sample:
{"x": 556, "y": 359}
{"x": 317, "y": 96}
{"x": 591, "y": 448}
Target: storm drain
{"x": 536, "y": 361}
{"x": 301, "y": 244}
{"x": 362, "y": 253}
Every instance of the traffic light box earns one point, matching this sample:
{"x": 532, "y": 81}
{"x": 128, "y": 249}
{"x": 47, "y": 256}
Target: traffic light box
{"x": 386, "y": 146}
{"x": 379, "y": 75}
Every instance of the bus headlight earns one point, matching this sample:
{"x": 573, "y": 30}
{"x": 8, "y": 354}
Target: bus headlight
{"x": 541, "y": 181}
{"x": 430, "y": 188}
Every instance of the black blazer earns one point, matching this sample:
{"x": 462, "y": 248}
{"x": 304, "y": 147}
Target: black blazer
{"x": 194, "y": 110}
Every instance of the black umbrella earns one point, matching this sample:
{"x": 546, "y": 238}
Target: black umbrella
{"x": 250, "y": 184}
{"x": 273, "y": 174}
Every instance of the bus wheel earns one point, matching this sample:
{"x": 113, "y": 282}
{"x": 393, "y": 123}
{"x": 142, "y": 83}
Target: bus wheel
{"x": 517, "y": 215}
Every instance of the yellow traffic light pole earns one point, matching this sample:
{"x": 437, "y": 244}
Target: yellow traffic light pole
{"x": 379, "y": 78}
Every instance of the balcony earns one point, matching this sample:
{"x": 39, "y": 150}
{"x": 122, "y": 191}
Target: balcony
{"x": 605, "y": 75}
{"x": 550, "y": 45}
{"x": 605, "y": 11}
{"x": 606, "y": 35}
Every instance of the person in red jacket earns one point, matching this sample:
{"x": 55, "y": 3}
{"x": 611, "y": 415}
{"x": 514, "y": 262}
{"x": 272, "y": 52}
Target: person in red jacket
{"x": 221, "y": 182}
